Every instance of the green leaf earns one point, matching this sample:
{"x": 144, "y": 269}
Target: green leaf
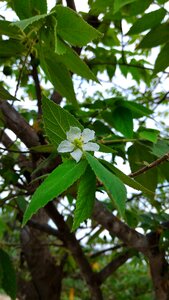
{"x": 11, "y": 31}
{"x": 11, "y": 48}
{"x": 5, "y": 95}
{"x": 26, "y": 22}
{"x": 123, "y": 121}
{"x": 127, "y": 180}
{"x": 29, "y": 8}
{"x": 57, "y": 121}
{"x": 148, "y": 21}
{"x": 54, "y": 185}
{"x": 85, "y": 198}
{"x": 137, "y": 109}
{"x": 139, "y": 156}
{"x": 105, "y": 149}
{"x": 148, "y": 134}
{"x": 114, "y": 186}
{"x": 160, "y": 148}
{"x": 118, "y": 4}
{"x": 75, "y": 64}
{"x": 72, "y": 28}
{"x": 157, "y": 36}
{"x": 162, "y": 61}
{"x": 58, "y": 74}
{"x": 8, "y": 282}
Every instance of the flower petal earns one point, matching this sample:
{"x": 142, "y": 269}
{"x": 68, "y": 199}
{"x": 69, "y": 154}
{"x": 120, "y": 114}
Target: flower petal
{"x": 65, "y": 146}
{"x": 91, "y": 147}
{"x": 73, "y": 133}
{"x": 88, "y": 135}
{"x": 77, "y": 154}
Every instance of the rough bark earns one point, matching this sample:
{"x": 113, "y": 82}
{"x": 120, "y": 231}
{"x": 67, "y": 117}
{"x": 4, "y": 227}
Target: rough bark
{"x": 46, "y": 274}
{"x": 73, "y": 245}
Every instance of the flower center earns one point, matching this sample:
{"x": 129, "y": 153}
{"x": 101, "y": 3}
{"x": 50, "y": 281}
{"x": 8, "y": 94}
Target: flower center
{"x": 78, "y": 143}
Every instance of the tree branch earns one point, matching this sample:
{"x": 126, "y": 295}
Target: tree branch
{"x": 114, "y": 265}
{"x": 14, "y": 121}
{"x": 150, "y": 166}
{"x": 128, "y": 235}
{"x": 73, "y": 245}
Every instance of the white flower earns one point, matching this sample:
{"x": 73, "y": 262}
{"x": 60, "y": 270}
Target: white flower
{"x": 77, "y": 142}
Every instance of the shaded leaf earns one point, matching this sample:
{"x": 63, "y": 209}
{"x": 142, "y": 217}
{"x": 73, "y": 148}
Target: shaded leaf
{"x": 157, "y": 36}
{"x": 54, "y": 185}
{"x": 118, "y": 4}
{"x": 162, "y": 61}
{"x": 11, "y": 31}
{"x": 58, "y": 74}
{"x": 11, "y": 48}
{"x": 114, "y": 186}
{"x": 123, "y": 121}
{"x": 8, "y": 281}
{"x": 139, "y": 155}
{"x": 5, "y": 95}
{"x": 29, "y": 8}
{"x": 57, "y": 121}
{"x": 85, "y": 197}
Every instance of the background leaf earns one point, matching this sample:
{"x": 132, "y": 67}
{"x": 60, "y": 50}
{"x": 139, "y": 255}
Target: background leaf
{"x": 85, "y": 197}
{"x": 148, "y": 21}
{"x": 57, "y": 121}
{"x": 8, "y": 280}
{"x": 113, "y": 184}
{"x": 157, "y": 36}
{"x": 29, "y": 8}
{"x": 123, "y": 121}
{"x": 54, "y": 185}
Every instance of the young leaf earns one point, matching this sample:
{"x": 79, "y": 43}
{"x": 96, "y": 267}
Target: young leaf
{"x": 157, "y": 36}
{"x": 85, "y": 197}
{"x": 54, "y": 185}
{"x": 148, "y": 21}
{"x": 113, "y": 184}
{"x": 26, "y": 22}
{"x": 127, "y": 180}
{"x": 8, "y": 280}
{"x": 72, "y": 28}
{"x": 57, "y": 121}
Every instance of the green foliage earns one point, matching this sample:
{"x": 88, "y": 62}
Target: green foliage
{"x": 57, "y": 121}
{"x": 8, "y": 276}
{"x": 42, "y": 55}
{"x": 85, "y": 198}
{"x": 74, "y": 29}
{"x": 54, "y": 185}
{"x": 148, "y": 21}
{"x": 113, "y": 184}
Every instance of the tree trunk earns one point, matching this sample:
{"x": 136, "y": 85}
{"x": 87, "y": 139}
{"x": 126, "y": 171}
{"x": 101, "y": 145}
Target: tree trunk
{"x": 46, "y": 274}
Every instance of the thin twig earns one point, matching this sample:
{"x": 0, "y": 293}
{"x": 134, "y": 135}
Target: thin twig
{"x": 150, "y": 166}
